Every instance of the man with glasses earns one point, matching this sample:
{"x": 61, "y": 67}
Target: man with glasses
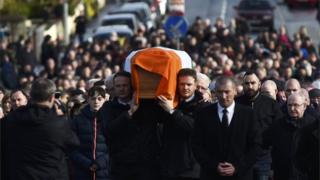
{"x": 282, "y": 137}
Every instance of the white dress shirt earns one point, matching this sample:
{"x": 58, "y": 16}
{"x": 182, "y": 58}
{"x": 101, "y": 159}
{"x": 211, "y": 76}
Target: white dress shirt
{"x": 230, "y": 112}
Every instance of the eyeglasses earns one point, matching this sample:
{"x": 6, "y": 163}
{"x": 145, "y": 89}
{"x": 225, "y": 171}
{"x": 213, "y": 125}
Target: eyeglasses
{"x": 294, "y": 105}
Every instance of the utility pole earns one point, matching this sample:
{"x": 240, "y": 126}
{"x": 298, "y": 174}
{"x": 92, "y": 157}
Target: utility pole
{"x": 65, "y": 22}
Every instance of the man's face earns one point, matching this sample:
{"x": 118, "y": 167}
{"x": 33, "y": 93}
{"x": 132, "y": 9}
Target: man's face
{"x": 251, "y": 85}
{"x": 122, "y": 87}
{"x": 315, "y": 101}
{"x": 296, "y": 106}
{"x": 186, "y": 86}
{"x": 226, "y": 93}
{"x": 96, "y": 102}
{"x": 202, "y": 86}
{"x": 291, "y": 88}
{"x": 269, "y": 91}
{"x": 1, "y": 95}
{"x": 18, "y": 99}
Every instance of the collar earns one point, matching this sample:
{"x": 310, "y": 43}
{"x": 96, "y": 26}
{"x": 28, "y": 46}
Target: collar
{"x": 189, "y": 99}
{"x": 254, "y": 97}
{"x": 123, "y": 103}
{"x": 229, "y": 109}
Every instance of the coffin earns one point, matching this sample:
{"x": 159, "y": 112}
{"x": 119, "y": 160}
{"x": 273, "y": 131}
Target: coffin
{"x": 154, "y": 71}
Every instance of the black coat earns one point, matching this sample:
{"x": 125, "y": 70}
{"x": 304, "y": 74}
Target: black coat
{"x": 177, "y": 158}
{"x": 265, "y": 109}
{"x": 283, "y": 138}
{"x": 307, "y": 152}
{"x": 241, "y": 148}
{"x": 37, "y": 142}
{"x": 85, "y": 128}
{"x": 133, "y": 141}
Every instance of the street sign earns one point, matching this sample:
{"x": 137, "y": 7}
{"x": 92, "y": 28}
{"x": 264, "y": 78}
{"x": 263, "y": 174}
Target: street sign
{"x": 176, "y": 26}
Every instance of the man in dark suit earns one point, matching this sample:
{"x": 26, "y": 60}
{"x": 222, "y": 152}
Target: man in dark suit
{"x": 225, "y": 138}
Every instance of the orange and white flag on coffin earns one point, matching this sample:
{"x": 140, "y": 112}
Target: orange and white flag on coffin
{"x": 162, "y": 61}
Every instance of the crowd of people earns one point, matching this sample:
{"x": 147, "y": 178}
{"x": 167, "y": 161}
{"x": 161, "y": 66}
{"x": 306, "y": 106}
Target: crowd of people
{"x": 249, "y": 109}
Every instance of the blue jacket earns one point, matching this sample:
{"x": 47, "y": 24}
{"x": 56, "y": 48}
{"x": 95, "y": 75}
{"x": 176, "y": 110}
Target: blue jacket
{"x": 93, "y": 149}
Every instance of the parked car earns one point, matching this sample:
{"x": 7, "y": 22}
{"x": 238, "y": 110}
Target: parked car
{"x": 121, "y": 19}
{"x": 257, "y": 14}
{"x": 298, "y": 3}
{"x": 140, "y": 9}
{"x": 105, "y": 32}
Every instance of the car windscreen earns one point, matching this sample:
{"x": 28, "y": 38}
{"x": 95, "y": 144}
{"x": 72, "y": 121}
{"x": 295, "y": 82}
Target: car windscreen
{"x": 254, "y": 5}
{"x": 110, "y": 22}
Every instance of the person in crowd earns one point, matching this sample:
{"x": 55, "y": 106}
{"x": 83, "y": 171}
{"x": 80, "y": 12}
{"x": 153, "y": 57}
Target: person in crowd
{"x": 282, "y": 136}
{"x": 76, "y": 102}
{"x": 131, "y": 133}
{"x": 2, "y": 93}
{"x": 269, "y": 88}
{"x": 226, "y": 139}
{"x": 177, "y": 159}
{"x": 291, "y": 86}
{"x": 306, "y": 157}
{"x": 18, "y": 98}
{"x": 265, "y": 110}
{"x": 90, "y": 160}
{"x": 37, "y": 139}
{"x": 81, "y": 22}
{"x": 315, "y": 99}
{"x": 6, "y": 104}
{"x": 203, "y": 82}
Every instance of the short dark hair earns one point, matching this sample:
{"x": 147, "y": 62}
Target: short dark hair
{"x": 99, "y": 83}
{"x": 223, "y": 80}
{"x": 42, "y": 90}
{"x": 96, "y": 91}
{"x": 248, "y": 73}
{"x": 123, "y": 74}
{"x": 188, "y": 72}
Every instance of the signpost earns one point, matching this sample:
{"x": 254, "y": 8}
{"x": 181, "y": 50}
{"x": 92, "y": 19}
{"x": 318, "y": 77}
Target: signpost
{"x": 176, "y": 27}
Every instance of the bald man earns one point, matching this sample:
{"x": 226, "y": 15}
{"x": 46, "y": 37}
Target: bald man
{"x": 281, "y": 136}
{"x": 291, "y": 86}
{"x": 269, "y": 88}
{"x": 266, "y": 110}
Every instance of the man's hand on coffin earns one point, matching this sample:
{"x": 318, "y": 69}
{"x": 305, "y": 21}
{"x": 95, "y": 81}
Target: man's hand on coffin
{"x": 165, "y": 103}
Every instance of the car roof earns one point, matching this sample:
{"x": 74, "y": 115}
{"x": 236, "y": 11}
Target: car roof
{"x": 113, "y": 28}
{"x": 118, "y": 16}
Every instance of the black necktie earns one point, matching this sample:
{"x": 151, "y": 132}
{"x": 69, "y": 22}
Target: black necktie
{"x": 225, "y": 118}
